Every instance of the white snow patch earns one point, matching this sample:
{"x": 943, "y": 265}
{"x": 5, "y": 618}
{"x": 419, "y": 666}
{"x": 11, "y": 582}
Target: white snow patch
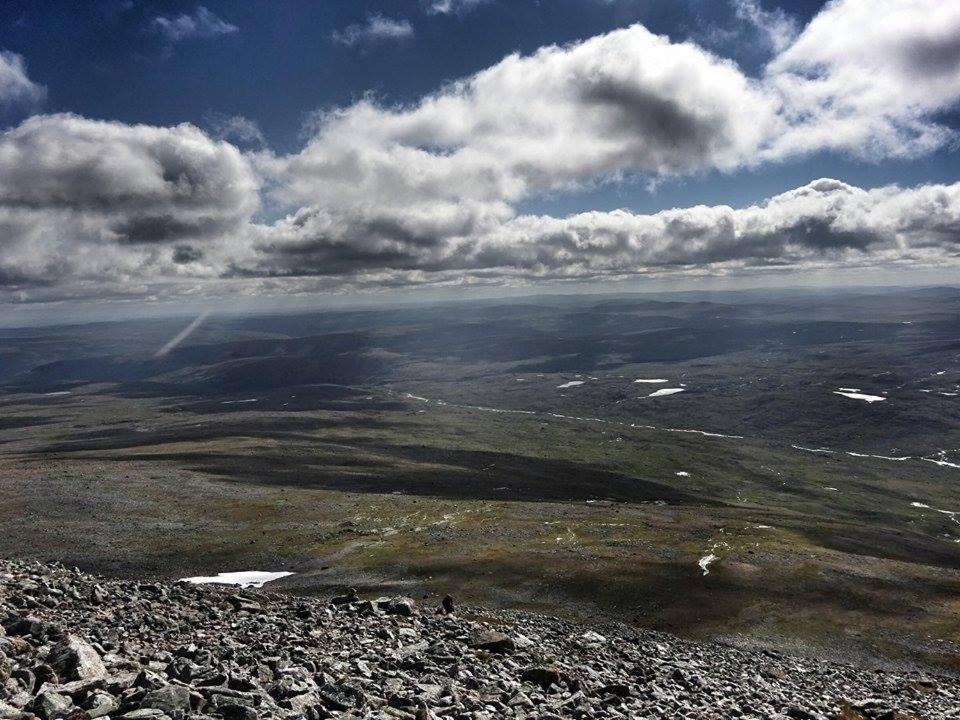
{"x": 657, "y": 381}
{"x": 243, "y": 578}
{"x": 57, "y": 394}
{"x": 860, "y": 396}
{"x": 239, "y": 402}
{"x": 705, "y": 561}
{"x": 683, "y": 473}
{"x": 572, "y": 383}
{"x": 951, "y": 513}
{"x": 900, "y": 458}
{"x": 941, "y": 463}
{"x": 665, "y": 391}
{"x": 849, "y": 389}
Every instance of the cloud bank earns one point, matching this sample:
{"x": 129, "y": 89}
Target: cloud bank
{"x": 429, "y": 192}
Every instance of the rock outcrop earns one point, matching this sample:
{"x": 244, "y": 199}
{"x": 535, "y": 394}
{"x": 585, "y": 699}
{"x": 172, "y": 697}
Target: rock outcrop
{"x": 79, "y": 647}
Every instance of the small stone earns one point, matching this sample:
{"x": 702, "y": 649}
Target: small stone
{"x": 237, "y": 712}
{"x": 492, "y": 641}
{"x": 336, "y": 698}
{"x": 402, "y": 606}
{"x": 351, "y": 596}
{"x": 542, "y": 675}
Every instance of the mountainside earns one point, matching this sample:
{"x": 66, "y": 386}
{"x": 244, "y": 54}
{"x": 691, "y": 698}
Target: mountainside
{"x": 79, "y": 646}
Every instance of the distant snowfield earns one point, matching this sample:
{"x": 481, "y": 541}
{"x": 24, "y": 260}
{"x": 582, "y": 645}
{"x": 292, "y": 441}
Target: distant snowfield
{"x": 860, "y": 396}
{"x": 572, "y": 383}
{"x": 683, "y": 473}
{"x": 239, "y": 402}
{"x": 651, "y": 380}
{"x": 665, "y": 391}
{"x": 244, "y": 578}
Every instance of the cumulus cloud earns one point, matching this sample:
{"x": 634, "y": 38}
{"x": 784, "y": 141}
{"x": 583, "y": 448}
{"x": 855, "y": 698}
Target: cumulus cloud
{"x": 869, "y": 77}
{"x": 201, "y": 23}
{"x": 16, "y": 88}
{"x": 626, "y": 101}
{"x": 91, "y": 199}
{"x": 376, "y": 28}
{"x": 826, "y": 221}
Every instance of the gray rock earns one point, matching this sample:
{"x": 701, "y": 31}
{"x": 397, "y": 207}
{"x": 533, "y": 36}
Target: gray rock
{"x": 50, "y": 705}
{"x": 168, "y": 699}
{"x": 492, "y": 641}
{"x": 74, "y": 659}
{"x": 98, "y": 704}
{"x": 542, "y": 675}
{"x": 9, "y": 712}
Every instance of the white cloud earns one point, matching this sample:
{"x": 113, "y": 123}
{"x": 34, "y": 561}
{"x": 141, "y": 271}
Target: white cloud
{"x": 376, "y": 28}
{"x": 16, "y": 88}
{"x": 627, "y": 101}
{"x": 236, "y": 128}
{"x": 453, "y": 7}
{"x": 776, "y": 27}
{"x": 201, "y": 23}
{"x": 824, "y": 223}
{"x": 429, "y": 192}
{"x": 868, "y": 77}
{"x": 102, "y": 200}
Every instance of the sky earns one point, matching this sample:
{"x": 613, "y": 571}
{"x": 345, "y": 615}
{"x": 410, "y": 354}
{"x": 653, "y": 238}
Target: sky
{"x": 157, "y": 152}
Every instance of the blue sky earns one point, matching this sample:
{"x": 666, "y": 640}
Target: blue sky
{"x": 328, "y": 148}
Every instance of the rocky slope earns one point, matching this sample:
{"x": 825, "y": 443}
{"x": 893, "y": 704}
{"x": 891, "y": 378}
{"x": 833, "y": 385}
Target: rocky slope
{"x": 78, "y": 646}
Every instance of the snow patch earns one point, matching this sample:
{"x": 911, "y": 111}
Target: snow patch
{"x": 665, "y": 391}
{"x": 705, "y": 561}
{"x": 860, "y": 396}
{"x": 243, "y": 578}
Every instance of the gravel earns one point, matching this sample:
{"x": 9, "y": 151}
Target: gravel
{"x": 78, "y": 646}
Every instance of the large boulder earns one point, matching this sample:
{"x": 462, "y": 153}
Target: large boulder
{"x": 74, "y": 659}
{"x": 51, "y": 705}
{"x": 99, "y": 704}
{"x": 169, "y": 699}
